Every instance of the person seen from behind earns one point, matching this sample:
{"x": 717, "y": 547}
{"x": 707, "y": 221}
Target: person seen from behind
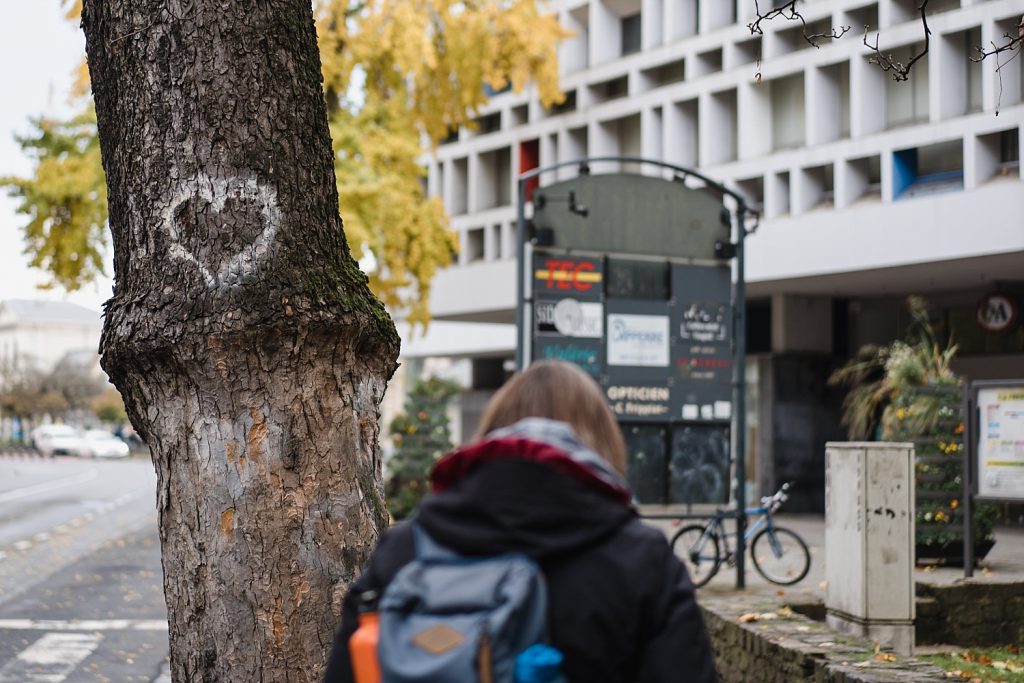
{"x": 545, "y": 478}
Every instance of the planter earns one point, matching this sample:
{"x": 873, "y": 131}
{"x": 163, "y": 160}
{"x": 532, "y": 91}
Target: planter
{"x": 951, "y": 553}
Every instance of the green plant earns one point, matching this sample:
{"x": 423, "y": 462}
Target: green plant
{"x": 907, "y": 391}
{"x": 421, "y": 435}
{"x": 879, "y": 374}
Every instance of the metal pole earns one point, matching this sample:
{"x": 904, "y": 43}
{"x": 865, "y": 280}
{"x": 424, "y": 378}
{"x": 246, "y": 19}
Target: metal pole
{"x": 739, "y": 394}
{"x": 967, "y": 498}
{"x": 520, "y": 277}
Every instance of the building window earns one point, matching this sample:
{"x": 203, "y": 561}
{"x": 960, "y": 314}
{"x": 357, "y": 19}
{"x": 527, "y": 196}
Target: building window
{"x": 663, "y": 74}
{"x": 567, "y": 105}
{"x": 787, "y": 104}
{"x": 610, "y": 90}
{"x": 460, "y": 192}
{"x": 631, "y": 34}
{"x": 495, "y": 179}
{"x": 748, "y": 51}
{"x": 520, "y": 114}
{"x": 707, "y": 63}
{"x": 489, "y": 123}
{"x": 972, "y": 41}
{"x": 906, "y": 102}
{"x": 475, "y": 245}
{"x": 931, "y": 169}
{"x": 752, "y": 190}
{"x": 529, "y": 159}
{"x": 864, "y": 178}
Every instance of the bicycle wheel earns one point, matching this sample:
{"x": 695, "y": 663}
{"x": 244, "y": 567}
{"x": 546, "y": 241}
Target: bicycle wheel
{"x": 780, "y": 555}
{"x": 699, "y": 552}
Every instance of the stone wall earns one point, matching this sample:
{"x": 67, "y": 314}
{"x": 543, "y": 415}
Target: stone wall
{"x": 970, "y": 614}
{"x": 759, "y": 640}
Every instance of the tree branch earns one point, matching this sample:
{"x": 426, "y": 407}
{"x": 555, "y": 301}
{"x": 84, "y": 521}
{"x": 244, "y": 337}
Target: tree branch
{"x": 1013, "y": 44}
{"x": 789, "y": 12}
{"x": 888, "y": 63}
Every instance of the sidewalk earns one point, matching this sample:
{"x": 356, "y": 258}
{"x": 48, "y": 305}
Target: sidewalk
{"x": 1005, "y": 563}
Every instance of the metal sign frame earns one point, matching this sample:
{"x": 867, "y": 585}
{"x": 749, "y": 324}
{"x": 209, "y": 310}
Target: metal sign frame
{"x": 739, "y": 231}
{"x": 972, "y": 435}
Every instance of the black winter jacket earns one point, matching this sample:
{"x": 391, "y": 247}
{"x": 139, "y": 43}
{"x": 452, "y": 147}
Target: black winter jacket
{"x": 621, "y": 606}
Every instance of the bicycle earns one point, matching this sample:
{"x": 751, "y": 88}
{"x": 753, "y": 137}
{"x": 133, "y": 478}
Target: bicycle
{"x": 778, "y": 554}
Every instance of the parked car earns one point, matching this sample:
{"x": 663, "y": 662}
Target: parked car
{"x": 101, "y": 444}
{"x": 57, "y": 440}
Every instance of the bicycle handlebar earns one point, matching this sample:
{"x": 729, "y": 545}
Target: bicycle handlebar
{"x": 775, "y": 501}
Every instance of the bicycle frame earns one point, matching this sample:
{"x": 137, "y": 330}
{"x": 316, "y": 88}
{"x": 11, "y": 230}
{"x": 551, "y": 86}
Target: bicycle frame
{"x": 717, "y": 523}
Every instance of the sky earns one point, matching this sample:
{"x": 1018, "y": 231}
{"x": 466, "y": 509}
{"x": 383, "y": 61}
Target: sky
{"x": 39, "y": 51}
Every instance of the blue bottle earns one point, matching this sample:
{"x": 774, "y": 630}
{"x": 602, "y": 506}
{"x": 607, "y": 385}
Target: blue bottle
{"x": 539, "y": 664}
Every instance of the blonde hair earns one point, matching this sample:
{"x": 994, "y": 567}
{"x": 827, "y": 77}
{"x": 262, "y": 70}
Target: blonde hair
{"x": 558, "y": 391}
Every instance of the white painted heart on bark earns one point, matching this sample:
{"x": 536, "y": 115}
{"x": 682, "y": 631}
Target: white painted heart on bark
{"x": 216, "y": 191}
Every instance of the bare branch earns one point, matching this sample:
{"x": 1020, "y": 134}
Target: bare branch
{"x": 1014, "y": 44}
{"x": 789, "y": 12}
{"x": 888, "y": 63}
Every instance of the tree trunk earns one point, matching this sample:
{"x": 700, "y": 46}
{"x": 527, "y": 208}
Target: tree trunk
{"x": 250, "y": 353}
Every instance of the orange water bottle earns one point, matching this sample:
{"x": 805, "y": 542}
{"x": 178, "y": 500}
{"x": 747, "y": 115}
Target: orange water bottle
{"x": 362, "y": 646}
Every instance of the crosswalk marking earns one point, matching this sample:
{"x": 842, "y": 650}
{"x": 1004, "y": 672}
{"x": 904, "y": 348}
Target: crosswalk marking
{"x": 83, "y": 625}
{"x": 50, "y": 659}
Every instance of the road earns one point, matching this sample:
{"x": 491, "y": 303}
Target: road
{"x": 81, "y": 599}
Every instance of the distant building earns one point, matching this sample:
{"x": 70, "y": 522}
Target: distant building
{"x": 40, "y": 334}
{"x": 870, "y": 190}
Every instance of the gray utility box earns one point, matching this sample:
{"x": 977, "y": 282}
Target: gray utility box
{"x": 869, "y": 541}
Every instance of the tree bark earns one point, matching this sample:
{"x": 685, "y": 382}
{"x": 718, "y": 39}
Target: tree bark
{"x": 250, "y": 353}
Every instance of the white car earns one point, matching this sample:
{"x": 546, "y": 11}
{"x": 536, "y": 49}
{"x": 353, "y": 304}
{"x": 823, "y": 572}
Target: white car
{"x": 101, "y": 444}
{"x": 52, "y": 440}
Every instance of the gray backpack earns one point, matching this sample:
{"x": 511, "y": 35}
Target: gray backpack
{"x": 447, "y": 618}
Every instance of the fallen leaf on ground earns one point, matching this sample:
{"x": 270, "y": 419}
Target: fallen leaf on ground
{"x": 747, "y": 618}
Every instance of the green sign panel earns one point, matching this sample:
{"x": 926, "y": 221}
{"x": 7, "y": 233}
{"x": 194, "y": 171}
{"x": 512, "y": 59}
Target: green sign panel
{"x": 631, "y": 214}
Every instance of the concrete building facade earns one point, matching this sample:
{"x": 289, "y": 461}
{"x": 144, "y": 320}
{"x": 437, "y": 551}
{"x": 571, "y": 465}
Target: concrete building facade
{"x": 870, "y": 190}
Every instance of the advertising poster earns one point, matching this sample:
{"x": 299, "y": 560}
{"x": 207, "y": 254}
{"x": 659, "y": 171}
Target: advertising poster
{"x": 1000, "y": 464}
{"x": 702, "y": 343}
{"x": 638, "y": 340}
{"x": 585, "y": 354}
{"x": 639, "y": 402}
{"x": 569, "y": 318}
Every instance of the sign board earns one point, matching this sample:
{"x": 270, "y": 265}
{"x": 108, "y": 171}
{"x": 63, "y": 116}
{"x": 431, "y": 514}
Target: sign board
{"x": 625, "y": 213}
{"x": 702, "y": 342}
{"x": 559, "y": 276}
{"x": 997, "y": 313}
{"x": 638, "y": 340}
{"x": 569, "y": 317}
{"x": 1000, "y": 442}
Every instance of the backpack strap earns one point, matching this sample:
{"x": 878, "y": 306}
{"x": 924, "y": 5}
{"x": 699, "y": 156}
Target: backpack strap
{"x": 427, "y": 549}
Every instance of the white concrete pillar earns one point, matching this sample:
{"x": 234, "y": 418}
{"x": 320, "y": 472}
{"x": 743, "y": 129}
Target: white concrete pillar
{"x": 776, "y": 194}
{"x": 680, "y": 19}
{"x": 867, "y": 101}
{"x": 850, "y": 183}
{"x": 652, "y": 23}
{"x": 885, "y": 168}
{"x": 947, "y": 82}
{"x": 605, "y": 33}
{"x": 715, "y": 14}
{"x": 754, "y": 127}
{"x": 680, "y": 121}
{"x": 652, "y": 134}
{"x": 822, "y": 103}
